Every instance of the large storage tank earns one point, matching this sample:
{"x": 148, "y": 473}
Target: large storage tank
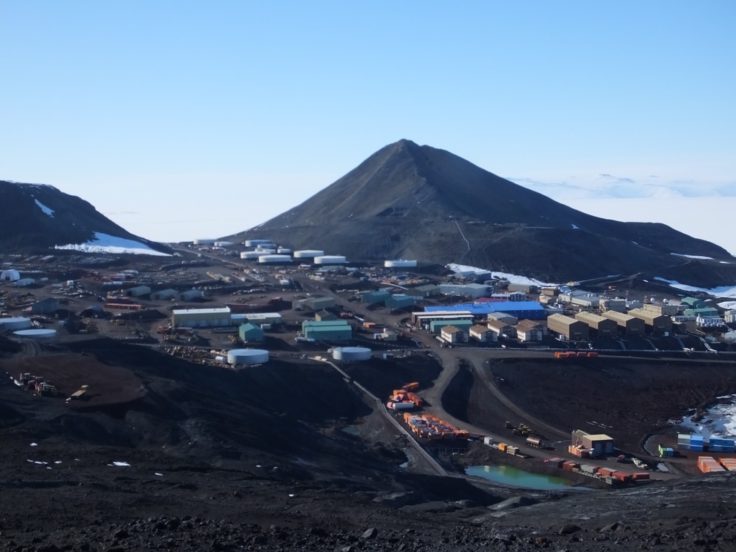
{"x": 247, "y": 357}
{"x": 38, "y": 334}
{"x": 263, "y": 250}
{"x": 330, "y": 260}
{"x": 223, "y": 243}
{"x": 274, "y": 259}
{"x": 14, "y": 323}
{"x": 351, "y": 354}
{"x": 250, "y": 255}
{"x": 203, "y": 241}
{"x": 283, "y": 251}
{"x": 255, "y": 243}
{"x": 308, "y": 253}
{"x": 399, "y": 263}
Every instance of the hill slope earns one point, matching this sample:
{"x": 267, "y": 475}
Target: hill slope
{"x": 36, "y": 217}
{"x": 420, "y": 202}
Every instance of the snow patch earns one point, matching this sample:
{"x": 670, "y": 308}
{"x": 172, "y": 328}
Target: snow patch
{"x": 728, "y": 305}
{"x": 699, "y": 257}
{"x": 106, "y": 243}
{"x": 575, "y": 227}
{"x": 722, "y": 291}
{"x": 719, "y": 420}
{"x": 46, "y": 210}
{"x": 119, "y": 464}
{"x": 512, "y": 278}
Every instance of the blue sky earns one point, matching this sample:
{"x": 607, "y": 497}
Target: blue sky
{"x": 193, "y": 119}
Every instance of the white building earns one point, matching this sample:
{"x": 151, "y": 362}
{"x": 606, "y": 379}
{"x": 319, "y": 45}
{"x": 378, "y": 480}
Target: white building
{"x": 201, "y": 318}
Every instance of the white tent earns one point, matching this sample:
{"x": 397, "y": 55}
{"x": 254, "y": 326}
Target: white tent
{"x": 10, "y": 275}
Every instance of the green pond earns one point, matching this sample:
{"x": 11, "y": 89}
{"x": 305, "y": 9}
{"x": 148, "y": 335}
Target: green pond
{"x": 514, "y": 477}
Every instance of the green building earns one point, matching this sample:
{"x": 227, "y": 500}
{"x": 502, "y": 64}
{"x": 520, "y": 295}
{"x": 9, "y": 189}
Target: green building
{"x": 250, "y": 333}
{"x": 327, "y": 330}
{"x": 399, "y": 301}
{"x": 436, "y": 326}
{"x": 374, "y": 297}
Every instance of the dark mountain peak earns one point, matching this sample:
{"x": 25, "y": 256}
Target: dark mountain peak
{"x": 36, "y": 217}
{"x": 413, "y": 201}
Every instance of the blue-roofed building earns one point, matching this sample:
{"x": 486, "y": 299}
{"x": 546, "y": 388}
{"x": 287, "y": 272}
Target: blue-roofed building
{"x": 530, "y": 310}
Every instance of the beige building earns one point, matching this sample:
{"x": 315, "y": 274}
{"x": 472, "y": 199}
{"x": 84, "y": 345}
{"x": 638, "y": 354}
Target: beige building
{"x": 530, "y": 330}
{"x": 482, "y": 333}
{"x": 658, "y": 322}
{"x": 605, "y": 327}
{"x": 626, "y": 322}
{"x": 453, "y": 334}
{"x": 499, "y": 327}
{"x": 567, "y": 327}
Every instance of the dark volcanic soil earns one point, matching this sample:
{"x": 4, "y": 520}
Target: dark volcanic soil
{"x": 639, "y": 396}
{"x": 256, "y": 460}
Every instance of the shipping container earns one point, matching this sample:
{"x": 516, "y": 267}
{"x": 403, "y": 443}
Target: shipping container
{"x": 640, "y": 476}
{"x": 569, "y": 465}
{"x": 621, "y": 476}
{"x": 587, "y": 468}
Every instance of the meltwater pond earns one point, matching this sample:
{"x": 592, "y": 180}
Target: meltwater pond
{"x": 514, "y": 477}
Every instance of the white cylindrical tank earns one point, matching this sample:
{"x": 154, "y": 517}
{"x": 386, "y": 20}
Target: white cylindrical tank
{"x": 250, "y": 255}
{"x": 351, "y": 354}
{"x": 265, "y": 250}
{"x": 399, "y": 263}
{"x": 254, "y": 243}
{"x": 274, "y": 259}
{"x": 39, "y": 334}
{"x": 283, "y": 251}
{"x": 204, "y": 241}
{"x": 14, "y": 323}
{"x": 330, "y": 260}
{"x": 223, "y": 243}
{"x": 247, "y": 357}
{"x": 308, "y": 253}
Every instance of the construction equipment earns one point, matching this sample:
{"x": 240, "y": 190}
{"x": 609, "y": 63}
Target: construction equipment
{"x": 78, "y": 394}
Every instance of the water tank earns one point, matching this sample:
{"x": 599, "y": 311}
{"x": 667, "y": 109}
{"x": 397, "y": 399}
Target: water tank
{"x": 247, "y": 357}
{"x": 222, "y": 243}
{"x": 283, "y": 251}
{"x": 254, "y": 243}
{"x": 330, "y": 260}
{"x": 14, "y": 323}
{"x": 250, "y": 255}
{"x": 39, "y": 334}
{"x": 263, "y": 250}
{"x": 308, "y": 253}
{"x": 274, "y": 259}
{"x": 204, "y": 241}
{"x": 399, "y": 263}
{"x": 351, "y": 354}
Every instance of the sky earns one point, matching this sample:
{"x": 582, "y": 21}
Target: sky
{"x": 183, "y": 120}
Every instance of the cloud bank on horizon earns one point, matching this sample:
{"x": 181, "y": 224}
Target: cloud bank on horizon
{"x": 605, "y": 185}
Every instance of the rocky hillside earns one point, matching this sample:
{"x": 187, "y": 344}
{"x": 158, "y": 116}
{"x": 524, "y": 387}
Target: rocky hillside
{"x": 39, "y": 217}
{"x": 419, "y": 202}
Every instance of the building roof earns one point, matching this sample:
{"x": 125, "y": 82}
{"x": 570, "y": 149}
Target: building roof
{"x": 526, "y": 325}
{"x": 619, "y": 316}
{"x": 479, "y": 309}
{"x": 218, "y": 310}
{"x": 562, "y": 319}
{"x": 451, "y": 329}
{"x": 598, "y": 437}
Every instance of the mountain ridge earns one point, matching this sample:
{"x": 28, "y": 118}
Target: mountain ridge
{"x": 407, "y": 200}
{"x": 39, "y": 217}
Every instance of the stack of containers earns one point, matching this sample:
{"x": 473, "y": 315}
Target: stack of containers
{"x": 697, "y": 443}
{"x": 719, "y": 444}
{"x": 665, "y": 452}
{"x": 708, "y": 464}
{"x": 683, "y": 440}
{"x": 729, "y": 463}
